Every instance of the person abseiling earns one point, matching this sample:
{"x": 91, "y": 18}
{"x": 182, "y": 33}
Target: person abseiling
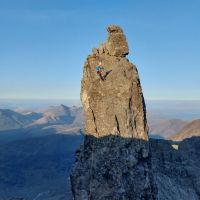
{"x": 99, "y": 70}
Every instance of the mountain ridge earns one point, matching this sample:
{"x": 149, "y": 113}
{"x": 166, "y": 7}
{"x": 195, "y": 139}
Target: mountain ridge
{"x": 190, "y": 130}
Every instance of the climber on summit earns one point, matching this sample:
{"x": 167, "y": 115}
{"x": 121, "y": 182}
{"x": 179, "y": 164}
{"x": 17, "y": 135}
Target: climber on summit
{"x": 100, "y": 69}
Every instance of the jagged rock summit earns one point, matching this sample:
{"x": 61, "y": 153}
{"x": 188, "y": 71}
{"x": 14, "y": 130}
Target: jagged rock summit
{"x": 116, "y": 105}
{"x": 116, "y": 44}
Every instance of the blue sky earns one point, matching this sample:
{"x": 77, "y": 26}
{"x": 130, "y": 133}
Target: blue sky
{"x": 43, "y": 45}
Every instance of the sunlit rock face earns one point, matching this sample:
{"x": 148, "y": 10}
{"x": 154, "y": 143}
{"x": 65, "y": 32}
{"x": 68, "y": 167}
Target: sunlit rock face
{"x": 116, "y": 44}
{"x": 116, "y": 105}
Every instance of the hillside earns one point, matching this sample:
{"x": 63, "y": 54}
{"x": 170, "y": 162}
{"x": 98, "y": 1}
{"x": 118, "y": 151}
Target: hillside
{"x": 35, "y": 159}
{"x": 45, "y": 152}
{"x": 68, "y": 117}
{"x": 64, "y": 119}
{"x": 12, "y": 120}
{"x": 60, "y": 115}
{"x": 37, "y": 167}
{"x": 165, "y": 127}
{"x": 190, "y": 130}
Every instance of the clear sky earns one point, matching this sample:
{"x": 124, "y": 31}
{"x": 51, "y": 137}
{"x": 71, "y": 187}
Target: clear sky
{"x": 43, "y": 45}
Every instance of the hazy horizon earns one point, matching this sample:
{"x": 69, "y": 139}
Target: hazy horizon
{"x": 176, "y": 109}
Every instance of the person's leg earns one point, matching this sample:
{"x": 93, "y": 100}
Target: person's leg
{"x": 100, "y": 75}
{"x": 102, "y": 78}
{"x": 106, "y": 74}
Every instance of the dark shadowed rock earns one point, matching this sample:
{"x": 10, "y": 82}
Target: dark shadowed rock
{"x": 176, "y": 171}
{"x": 37, "y": 168}
{"x": 112, "y": 168}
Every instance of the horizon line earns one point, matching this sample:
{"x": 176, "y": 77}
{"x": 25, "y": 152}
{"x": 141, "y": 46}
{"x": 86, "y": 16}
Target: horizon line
{"x": 73, "y": 99}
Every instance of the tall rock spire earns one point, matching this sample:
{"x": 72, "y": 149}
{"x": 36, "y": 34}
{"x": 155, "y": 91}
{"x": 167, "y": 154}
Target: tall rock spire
{"x": 114, "y": 106}
{"x": 113, "y": 162}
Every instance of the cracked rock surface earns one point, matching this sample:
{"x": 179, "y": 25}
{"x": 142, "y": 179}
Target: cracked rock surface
{"x": 116, "y": 105}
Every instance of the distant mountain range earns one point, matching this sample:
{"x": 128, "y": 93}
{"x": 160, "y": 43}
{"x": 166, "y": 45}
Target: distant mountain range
{"x": 37, "y": 148}
{"x": 165, "y": 128}
{"x": 54, "y": 115}
{"x": 12, "y": 120}
{"x": 37, "y": 151}
{"x": 63, "y": 119}
{"x": 190, "y": 130}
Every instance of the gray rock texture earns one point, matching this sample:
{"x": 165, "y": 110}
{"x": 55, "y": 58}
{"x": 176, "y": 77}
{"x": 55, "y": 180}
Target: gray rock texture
{"x": 112, "y": 168}
{"x": 116, "y": 44}
{"x": 116, "y": 105}
{"x": 176, "y": 171}
{"x": 113, "y": 161}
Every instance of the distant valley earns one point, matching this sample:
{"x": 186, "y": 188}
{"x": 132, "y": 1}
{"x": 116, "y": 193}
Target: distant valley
{"x": 37, "y": 151}
{"x": 52, "y": 120}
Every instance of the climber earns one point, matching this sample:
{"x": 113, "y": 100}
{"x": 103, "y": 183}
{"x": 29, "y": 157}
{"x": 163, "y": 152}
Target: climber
{"x": 99, "y": 70}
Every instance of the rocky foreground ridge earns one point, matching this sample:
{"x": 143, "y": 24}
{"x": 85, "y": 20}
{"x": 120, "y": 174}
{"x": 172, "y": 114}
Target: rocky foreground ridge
{"x": 115, "y": 161}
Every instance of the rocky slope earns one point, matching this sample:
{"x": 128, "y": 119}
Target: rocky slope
{"x": 176, "y": 172}
{"x": 36, "y": 168}
{"x": 60, "y": 115}
{"x": 190, "y": 130}
{"x": 165, "y": 127}
{"x": 12, "y": 120}
{"x": 40, "y": 153}
{"x": 54, "y": 119}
